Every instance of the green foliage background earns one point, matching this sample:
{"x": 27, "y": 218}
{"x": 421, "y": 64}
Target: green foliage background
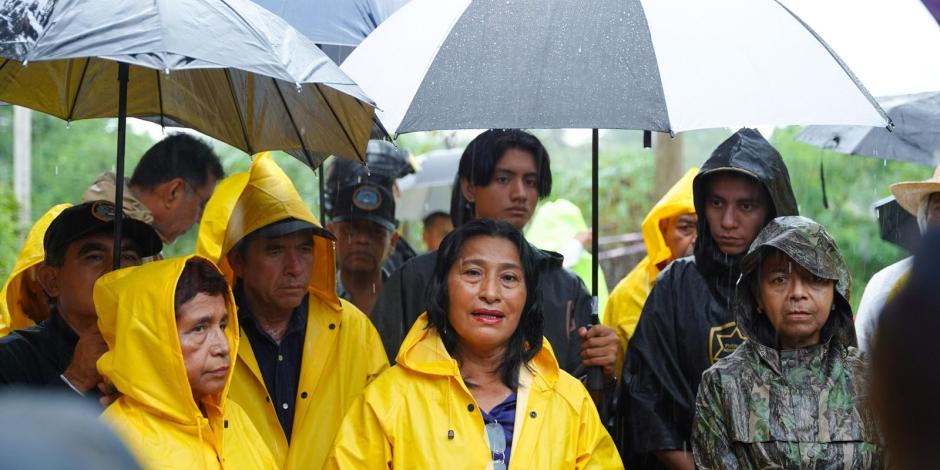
{"x": 67, "y": 158}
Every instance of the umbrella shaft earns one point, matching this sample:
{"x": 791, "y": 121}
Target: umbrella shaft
{"x": 119, "y": 167}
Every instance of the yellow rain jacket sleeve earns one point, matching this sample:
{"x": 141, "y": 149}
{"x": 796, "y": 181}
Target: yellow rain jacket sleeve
{"x": 342, "y": 350}
{"x": 156, "y": 414}
{"x": 22, "y": 302}
{"x": 420, "y": 414}
{"x": 626, "y": 300}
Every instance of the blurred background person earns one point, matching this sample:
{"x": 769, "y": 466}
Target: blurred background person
{"x": 479, "y": 362}
{"x": 435, "y": 226}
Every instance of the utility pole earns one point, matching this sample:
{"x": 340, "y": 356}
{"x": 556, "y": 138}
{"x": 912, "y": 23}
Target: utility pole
{"x": 667, "y": 152}
{"x": 22, "y": 163}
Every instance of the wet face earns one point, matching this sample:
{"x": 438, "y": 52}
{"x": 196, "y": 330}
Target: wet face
{"x": 275, "y": 271}
{"x": 435, "y": 230}
{"x": 487, "y": 293}
{"x": 362, "y": 246}
{"x": 679, "y": 233}
{"x": 184, "y": 206}
{"x": 84, "y": 262}
{"x": 513, "y": 192}
{"x": 797, "y": 303}
{"x": 201, "y": 323}
{"x": 736, "y": 208}
{"x": 933, "y": 210}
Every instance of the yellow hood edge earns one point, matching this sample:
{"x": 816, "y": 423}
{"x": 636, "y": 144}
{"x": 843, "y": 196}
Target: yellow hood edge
{"x": 678, "y": 200}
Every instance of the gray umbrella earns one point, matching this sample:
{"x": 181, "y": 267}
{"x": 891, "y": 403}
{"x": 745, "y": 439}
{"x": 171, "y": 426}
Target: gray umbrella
{"x": 915, "y": 137}
{"x": 896, "y": 225}
{"x": 227, "y": 68}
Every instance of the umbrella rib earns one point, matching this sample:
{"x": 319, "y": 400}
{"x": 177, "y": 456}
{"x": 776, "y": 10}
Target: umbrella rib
{"x": 160, "y": 99}
{"x": 5, "y": 62}
{"x": 341, "y": 126}
{"x": 78, "y": 90}
{"x": 238, "y": 111}
{"x": 293, "y": 123}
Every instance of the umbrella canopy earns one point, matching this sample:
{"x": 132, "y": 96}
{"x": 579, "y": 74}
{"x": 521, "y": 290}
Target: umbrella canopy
{"x": 934, "y": 7}
{"x": 227, "y": 68}
{"x": 915, "y": 137}
{"x": 659, "y": 65}
{"x": 429, "y": 189}
{"x": 896, "y": 225}
{"x": 337, "y": 23}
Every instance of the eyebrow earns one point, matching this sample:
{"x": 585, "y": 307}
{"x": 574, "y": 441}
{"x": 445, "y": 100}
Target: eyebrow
{"x": 89, "y": 247}
{"x": 499, "y": 265}
{"x": 508, "y": 172}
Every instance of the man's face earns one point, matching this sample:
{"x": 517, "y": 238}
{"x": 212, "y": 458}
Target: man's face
{"x": 513, "y": 192}
{"x": 85, "y": 260}
{"x": 184, "y": 207}
{"x": 435, "y": 231}
{"x": 933, "y": 210}
{"x": 201, "y": 323}
{"x": 736, "y": 208}
{"x": 362, "y": 245}
{"x": 275, "y": 271}
{"x": 679, "y": 233}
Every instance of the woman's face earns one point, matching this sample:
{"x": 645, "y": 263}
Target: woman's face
{"x": 487, "y": 293}
{"x": 796, "y": 302}
{"x": 201, "y": 323}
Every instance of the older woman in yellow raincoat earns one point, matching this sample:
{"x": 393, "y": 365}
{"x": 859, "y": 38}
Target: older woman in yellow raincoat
{"x": 476, "y": 385}
{"x": 171, "y": 331}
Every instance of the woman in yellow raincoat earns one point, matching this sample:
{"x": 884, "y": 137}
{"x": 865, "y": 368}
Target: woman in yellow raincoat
{"x": 171, "y": 330}
{"x": 476, "y": 386}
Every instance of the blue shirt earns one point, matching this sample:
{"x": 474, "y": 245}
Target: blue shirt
{"x": 279, "y": 363}
{"x": 503, "y": 414}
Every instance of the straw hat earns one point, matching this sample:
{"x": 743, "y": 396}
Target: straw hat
{"x": 910, "y": 194}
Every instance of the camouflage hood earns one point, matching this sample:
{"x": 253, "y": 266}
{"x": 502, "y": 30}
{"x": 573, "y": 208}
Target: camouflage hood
{"x": 810, "y": 246}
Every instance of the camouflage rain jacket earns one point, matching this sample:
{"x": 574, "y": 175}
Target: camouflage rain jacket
{"x": 763, "y": 407}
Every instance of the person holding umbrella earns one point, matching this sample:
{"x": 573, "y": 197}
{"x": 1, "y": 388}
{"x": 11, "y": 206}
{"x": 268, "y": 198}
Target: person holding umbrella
{"x": 61, "y": 350}
{"x": 490, "y": 392}
{"x": 502, "y": 175}
{"x": 687, "y": 323}
{"x": 921, "y": 199}
{"x": 169, "y": 187}
{"x": 305, "y": 354}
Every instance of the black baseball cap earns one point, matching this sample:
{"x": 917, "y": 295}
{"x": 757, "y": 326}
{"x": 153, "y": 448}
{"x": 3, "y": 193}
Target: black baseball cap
{"x": 365, "y": 201}
{"x": 95, "y": 217}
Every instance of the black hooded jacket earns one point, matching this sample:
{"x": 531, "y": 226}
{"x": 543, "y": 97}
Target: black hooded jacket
{"x": 687, "y": 322}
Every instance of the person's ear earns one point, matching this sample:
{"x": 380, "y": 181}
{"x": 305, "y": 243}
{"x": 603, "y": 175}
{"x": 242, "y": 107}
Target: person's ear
{"x": 48, "y": 277}
{"x": 468, "y": 190}
{"x": 393, "y": 242}
{"x": 760, "y": 305}
{"x": 174, "y": 192}
{"x": 237, "y": 262}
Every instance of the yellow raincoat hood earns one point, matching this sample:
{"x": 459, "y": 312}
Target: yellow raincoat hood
{"x": 157, "y": 413}
{"x": 626, "y": 300}
{"x": 556, "y": 423}
{"x": 248, "y": 201}
{"x": 16, "y": 291}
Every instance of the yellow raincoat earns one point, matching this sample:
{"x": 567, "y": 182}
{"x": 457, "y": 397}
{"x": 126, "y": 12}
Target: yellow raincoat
{"x": 342, "y": 350}
{"x": 403, "y": 419}
{"x": 22, "y": 288}
{"x": 156, "y": 414}
{"x": 626, "y": 300}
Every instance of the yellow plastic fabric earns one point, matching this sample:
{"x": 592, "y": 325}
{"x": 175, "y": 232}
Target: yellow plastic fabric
{"x": 626, "y": 300}
{"x": 404, "y": 418}
{"x": 15, "y": 290}
{"x": 342, "y": 350}
{"x": 156, "y": 413}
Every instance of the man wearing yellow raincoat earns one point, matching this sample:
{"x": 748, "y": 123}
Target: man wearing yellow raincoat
{"x": 171, "y": 331}
{"x": 304, "y": 355}
{"x": 668, "y": 233}
{"x": 22, "y": 303}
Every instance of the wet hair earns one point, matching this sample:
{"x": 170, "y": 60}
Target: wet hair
{"x": 478, "y": 166}
{"x": 526, "y": 341}
{"x": 198, "y": 276}
{"x": 177, "y": 156}
{"x": 430, "y": 218}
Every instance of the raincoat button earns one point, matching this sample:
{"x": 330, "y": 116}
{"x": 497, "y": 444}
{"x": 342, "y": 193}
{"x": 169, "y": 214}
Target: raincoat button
{"x": 303, "y": 394}
{"x": 225, "y": 424}
{"x": 284, "y": 405}
{"x": 470, "y": 408}
{"x": 533, "y": 414}
{"x": 280, "y": 358}
{"x": 332, "y": 326}
{"x": 450, "y": 433}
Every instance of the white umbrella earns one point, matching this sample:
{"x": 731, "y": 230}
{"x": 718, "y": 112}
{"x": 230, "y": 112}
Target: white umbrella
{"x": 428, "y": 189}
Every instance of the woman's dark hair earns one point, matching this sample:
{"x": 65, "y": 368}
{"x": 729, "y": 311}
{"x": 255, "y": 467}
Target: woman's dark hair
{"x": 478, "y": 166}
{"x": 526, "y": 341}
{"x": 198, "y": 276}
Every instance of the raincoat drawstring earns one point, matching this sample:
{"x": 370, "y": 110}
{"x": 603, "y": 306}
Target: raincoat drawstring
{"x": 450, "y": 409}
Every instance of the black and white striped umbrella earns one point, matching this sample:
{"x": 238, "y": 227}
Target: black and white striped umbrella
{"x": 659, "y": 65}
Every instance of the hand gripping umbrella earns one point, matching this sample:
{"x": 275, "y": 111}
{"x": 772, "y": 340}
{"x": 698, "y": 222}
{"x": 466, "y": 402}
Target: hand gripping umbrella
{"x": 655, "y": 65}
{"x": 227, "y": 68}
